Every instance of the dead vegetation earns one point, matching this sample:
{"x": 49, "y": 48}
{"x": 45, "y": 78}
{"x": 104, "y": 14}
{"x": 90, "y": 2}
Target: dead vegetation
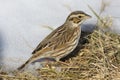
{"x": 99, "y": 59}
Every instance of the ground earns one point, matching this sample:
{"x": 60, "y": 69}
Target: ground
{"x": 97, "y": 58}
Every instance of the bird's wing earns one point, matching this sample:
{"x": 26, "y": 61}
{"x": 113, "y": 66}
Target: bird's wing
{"x": 45, "y": 41}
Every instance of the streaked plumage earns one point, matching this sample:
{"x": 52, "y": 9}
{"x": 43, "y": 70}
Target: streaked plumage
{"x": 61, "y": 41}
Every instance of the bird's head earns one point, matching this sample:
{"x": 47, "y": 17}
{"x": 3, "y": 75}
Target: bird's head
{"x": 77, "y": 17}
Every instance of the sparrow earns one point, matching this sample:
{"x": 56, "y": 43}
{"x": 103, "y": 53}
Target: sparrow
{"x": 61, "y": 41}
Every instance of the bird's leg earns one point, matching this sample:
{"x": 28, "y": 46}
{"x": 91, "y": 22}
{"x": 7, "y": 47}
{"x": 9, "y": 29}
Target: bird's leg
{"x": 63, "y": 63}
{"x": 48, "y": 62}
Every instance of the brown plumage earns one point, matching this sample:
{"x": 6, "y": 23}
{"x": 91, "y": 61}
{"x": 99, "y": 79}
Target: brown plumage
{"x": 61, "y": 41}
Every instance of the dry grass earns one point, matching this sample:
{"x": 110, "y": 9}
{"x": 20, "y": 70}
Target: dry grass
{"x": 97, "y": 60}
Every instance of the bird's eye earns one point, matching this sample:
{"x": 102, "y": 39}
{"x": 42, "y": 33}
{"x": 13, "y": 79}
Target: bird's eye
{"x": 79, "y": 16}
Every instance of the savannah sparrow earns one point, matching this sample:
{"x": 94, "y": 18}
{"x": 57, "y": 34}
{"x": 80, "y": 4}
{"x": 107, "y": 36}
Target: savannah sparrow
{"x": 61, "y": 41}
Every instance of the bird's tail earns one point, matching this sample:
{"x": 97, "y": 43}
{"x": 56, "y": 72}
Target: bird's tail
{"x": 24, "y": 65}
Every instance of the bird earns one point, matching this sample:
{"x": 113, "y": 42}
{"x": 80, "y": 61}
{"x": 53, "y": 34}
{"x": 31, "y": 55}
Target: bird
{"x": 61, "y": 41}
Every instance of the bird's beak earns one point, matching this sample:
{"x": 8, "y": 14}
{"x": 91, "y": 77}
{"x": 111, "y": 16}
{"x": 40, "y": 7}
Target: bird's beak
{"x": 88, "y": 16}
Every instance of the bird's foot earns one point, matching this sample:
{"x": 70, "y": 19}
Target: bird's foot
{"x": 63, "y": 63}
